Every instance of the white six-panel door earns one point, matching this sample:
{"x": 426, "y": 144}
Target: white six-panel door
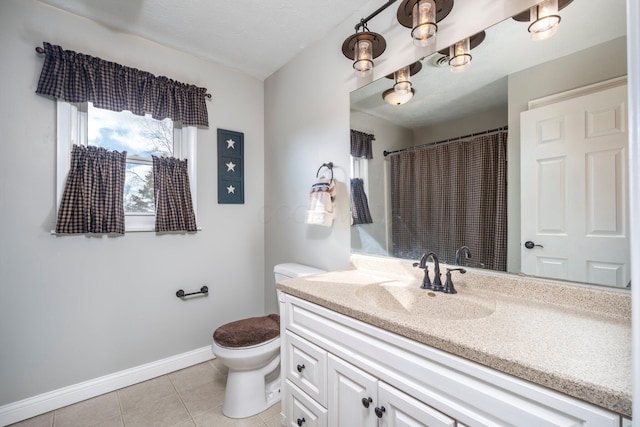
{"x": 574, "y": 197}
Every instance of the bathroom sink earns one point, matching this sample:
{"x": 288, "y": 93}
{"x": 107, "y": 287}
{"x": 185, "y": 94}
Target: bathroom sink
{"x": 400, "y": 298}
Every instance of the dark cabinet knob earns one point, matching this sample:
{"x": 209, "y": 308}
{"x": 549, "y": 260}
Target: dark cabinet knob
{"x": 300, "y": 368}
{"x": 380, "y": 411}
{"x": 530, "y": 245}
{"x": 366, "y": 401}
{"x": 300, "y": 421}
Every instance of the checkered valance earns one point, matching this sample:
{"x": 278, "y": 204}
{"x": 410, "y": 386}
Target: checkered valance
{"x": 76, "y": 77}
{"x": 361, "y": 144}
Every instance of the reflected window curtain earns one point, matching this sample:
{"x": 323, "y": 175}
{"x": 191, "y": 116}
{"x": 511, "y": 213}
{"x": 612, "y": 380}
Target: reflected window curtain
{"x": 359, "y": 204}
{"x": 174, "y": 208}
{"x": 450, "y": 195}
{"x": 76, "y": 77}
{"x": 361, "y": 144}
{"x": 92, "y": 201}
{"x": 361, "y": 147}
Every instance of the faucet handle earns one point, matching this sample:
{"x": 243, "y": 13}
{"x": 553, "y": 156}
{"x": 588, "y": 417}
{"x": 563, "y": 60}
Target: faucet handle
{"x": 448, "y": 283}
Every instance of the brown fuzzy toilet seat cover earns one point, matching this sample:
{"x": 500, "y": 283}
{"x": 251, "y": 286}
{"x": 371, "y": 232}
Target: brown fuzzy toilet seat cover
{"x": 248, "y": 332}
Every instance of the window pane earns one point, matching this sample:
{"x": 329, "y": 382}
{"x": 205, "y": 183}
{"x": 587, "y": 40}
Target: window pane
{"x": 141, "y": 136}
{"x": 138, "y": 189}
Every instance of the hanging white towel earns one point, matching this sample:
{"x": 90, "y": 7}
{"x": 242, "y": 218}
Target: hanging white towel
{"x": 321, "y": 203}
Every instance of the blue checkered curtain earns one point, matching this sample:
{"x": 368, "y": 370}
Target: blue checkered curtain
{"x": 361, "y": 144}
{"x": 174, "y": 208}
{"x": 76, "y": 77}
{"x": 92, "y": 198}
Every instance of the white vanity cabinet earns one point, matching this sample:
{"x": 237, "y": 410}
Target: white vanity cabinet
{"x": 331, "y": 362}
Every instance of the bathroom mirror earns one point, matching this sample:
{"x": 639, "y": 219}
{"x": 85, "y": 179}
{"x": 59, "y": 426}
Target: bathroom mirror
{"x": 507, "y": 71}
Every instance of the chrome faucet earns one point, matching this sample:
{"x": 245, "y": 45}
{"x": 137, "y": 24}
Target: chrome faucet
{"x": 465, "y": 250}
{"x": 426, "y": 282}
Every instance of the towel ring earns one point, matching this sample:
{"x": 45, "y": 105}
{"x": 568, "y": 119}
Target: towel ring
{"x": 328, "y": 166}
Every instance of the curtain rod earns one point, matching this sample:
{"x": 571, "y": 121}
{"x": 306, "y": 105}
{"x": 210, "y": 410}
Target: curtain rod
{"x": 40, "y": 51}
{"x": 444, "y": 141}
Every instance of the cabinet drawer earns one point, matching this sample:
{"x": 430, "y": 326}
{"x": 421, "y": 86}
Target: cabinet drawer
{"x": 306, "y": 367}
{"x": 301, "y": 409}
{"x": 404, "y": 410}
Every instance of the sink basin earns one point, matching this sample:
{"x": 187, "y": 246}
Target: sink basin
{"x": 400, "y": 298}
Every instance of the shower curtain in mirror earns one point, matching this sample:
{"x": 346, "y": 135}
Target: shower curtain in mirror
{"x": 449, "y": 195}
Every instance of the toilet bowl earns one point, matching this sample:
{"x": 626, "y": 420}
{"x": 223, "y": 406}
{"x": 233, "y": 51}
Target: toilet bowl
{"x": 250, "y": 349}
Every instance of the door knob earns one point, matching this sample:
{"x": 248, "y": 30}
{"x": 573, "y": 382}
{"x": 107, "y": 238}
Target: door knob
{"x": 300, "y": 368}
{"x": 366, "y": 401}
{"x": 530, "y": 245}
{"x": 380, "y": 411}
{"x": 300, "y": 421}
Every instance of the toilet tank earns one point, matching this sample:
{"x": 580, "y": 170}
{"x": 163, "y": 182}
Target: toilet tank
{"x": 289, "y": 270}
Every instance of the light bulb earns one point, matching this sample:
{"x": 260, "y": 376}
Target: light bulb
{"x": 459, "y": 56}
{"x": 424, "y": 22}
{"x": 363, "y": 57}
{"x": 544, "y": 19}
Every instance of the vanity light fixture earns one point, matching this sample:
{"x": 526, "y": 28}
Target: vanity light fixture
{"x": 422, "y": 16}
{"x": 402, "y": 92}
{"x": 544, "y": 18}
{"x": 459, "y": 54}
{"x": 363, "y": 47}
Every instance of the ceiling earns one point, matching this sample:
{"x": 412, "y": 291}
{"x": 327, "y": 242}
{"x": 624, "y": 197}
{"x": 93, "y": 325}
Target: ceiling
{"x": 256, "y": 37}
{"x": 442, "y": 95}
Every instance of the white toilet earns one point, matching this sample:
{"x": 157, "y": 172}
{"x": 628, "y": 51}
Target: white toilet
{"x": 250, "y": 348}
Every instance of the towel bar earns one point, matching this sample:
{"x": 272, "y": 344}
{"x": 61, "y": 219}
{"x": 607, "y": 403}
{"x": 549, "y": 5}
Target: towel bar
{"x": 203, "y": 290}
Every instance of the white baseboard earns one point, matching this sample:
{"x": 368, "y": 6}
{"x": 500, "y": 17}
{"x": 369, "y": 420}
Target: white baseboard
{"x": 42, "y": 403}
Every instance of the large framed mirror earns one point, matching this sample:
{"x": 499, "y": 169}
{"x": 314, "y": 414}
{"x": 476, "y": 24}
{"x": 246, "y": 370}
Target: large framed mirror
{"x": 510, "y": 76}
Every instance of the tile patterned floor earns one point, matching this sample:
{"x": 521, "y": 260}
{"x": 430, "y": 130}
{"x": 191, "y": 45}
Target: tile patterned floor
{"x": 191, "y": 397}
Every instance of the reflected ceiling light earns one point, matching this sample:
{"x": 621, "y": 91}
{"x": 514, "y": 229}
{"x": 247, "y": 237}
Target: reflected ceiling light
{"x": 544, "y": 18}
{"x": 363, "y": 47}
{"x": 402, "y": 92}
{"x": 422, "y": 17}
{"x": 459, "y": 54}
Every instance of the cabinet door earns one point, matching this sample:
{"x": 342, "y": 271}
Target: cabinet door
{"x": 402, "y": 410}
{"x": 305, "y": 364}
{"x": 301, "y": 409}
{"x": 350, "y": 391}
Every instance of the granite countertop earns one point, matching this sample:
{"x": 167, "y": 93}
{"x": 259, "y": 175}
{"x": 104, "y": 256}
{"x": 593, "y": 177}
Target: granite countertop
{"x": 570, "y": 338}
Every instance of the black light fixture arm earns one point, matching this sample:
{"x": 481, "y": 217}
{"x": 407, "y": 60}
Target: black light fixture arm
{"x": 363, "y": 22}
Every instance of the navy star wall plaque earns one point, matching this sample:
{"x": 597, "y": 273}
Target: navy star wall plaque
{"x": 230, "y": 167}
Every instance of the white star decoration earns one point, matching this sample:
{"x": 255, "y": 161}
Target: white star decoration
{"x": 231, "y": 189}
{"x": 231, "y": 144}
{"x": 231, "y": 167}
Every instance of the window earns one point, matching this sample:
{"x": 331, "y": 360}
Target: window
{"x": 360, "y": 169}
{"x": 141, "y": 137}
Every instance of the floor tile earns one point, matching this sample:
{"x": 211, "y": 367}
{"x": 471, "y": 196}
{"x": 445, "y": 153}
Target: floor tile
{"x": 195, "y": 376}
{"x": 146, "y": 392}
{"x": 204, "y": 397}
{"x": 215, "y": 418}
{"x": 271, "y": 416}
{"x": 44, "y": 420}
{"x": 167, "y": 412}
{"x": 219, "y": 366}
{"x": 89, "y": 412}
